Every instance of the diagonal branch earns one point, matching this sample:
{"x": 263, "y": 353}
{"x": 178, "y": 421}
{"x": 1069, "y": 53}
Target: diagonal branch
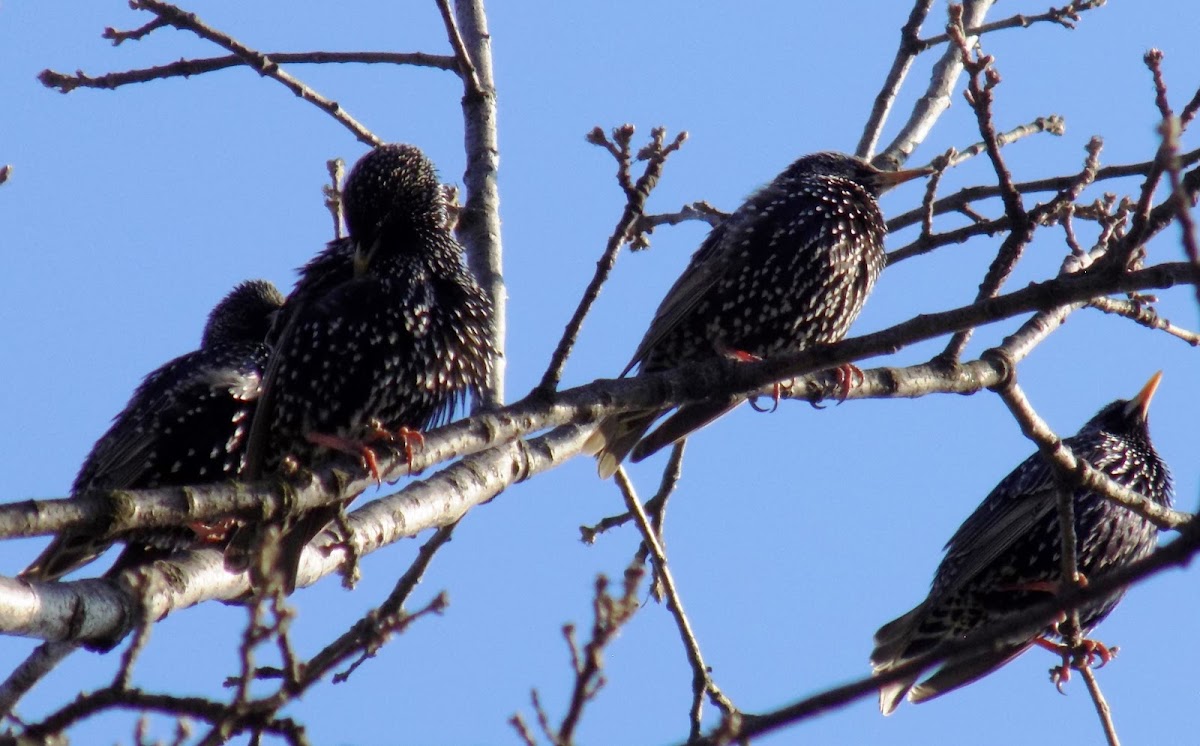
{"x": 636, "y": 193}
{"x": 1177, "y": 553}
{"x": 257, "y": 60}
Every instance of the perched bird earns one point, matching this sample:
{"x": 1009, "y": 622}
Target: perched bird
{"x": 385, "y": 334}
{"x": 185, "y": 424}
{"x": 788, "y": 270}
{"x": 1007, "y": 556}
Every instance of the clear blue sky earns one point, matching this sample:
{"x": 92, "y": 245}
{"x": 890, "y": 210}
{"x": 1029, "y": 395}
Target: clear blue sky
{"x": 793, "y": 536}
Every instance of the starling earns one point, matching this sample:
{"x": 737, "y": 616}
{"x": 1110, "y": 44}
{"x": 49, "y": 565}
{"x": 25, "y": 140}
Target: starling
{"x": 185, "y": 424}
{"x": 788, "y": 270}
{"x": 386, "y": 332}
{"x": 1007, "y": 556}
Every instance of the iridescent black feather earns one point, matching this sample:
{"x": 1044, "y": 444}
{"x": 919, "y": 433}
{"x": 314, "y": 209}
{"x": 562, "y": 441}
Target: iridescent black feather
{"x": 185, "y": 424}
{"x": 789, "y": 269}
{"x": 386, "y": 328}
{"x": 1013, "y": 541}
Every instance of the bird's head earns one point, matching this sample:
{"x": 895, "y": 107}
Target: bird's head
{"x": 392, "y": 189}
{"x": 245, "y": 315}
{"x": 1127, "y": 415}
{"x": 853, "y": 169}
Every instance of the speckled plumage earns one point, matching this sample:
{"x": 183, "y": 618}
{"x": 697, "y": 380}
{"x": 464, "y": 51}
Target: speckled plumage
{"x": 1013, "y": 540}
{"x": 386, "y": 327}
{"x": 185, "y": 424}
{"x": 789, "y": 269}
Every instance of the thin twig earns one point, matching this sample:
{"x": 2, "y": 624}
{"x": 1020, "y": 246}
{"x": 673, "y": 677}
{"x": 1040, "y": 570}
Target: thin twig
{"x": 189, "y": 68}
{"x": 1102, "y": 709}
{"x": 333, "y": 194}
{"x": 1146, "y": 316}
{"x": 636, "y": 193}
{"x": 258, "y": 61}
{"x": 646, "y": 224}
{"x": 702, "y": 681}
{"x": 979, "y": 96}
{"x": 609, "y": 614}
{"x": 906, "y": 53}
{"x": 466, "y": 68}
{"x": 117, "y": 36}
{"x": 955, "y": 202}
{"x": 1054, "y": 124}
{"x": 1065, "y": 16}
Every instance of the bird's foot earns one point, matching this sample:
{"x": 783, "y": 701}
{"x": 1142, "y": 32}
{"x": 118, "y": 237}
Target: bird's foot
{"x": 742, "y": 356}
{"x": 409, "y": 439}
{"x": 848, "y": 375}
{"x": 350, "y": 447}
{"x": 213, "y": 532}
{"x": 1089, "y": 653}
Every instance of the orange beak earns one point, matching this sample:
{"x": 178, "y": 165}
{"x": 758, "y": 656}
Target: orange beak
{"x": 1141, "y": 402}
{"x": 889, "y": 179}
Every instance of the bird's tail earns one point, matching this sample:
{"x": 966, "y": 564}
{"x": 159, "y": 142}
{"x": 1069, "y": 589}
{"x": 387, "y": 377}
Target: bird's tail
{"x": 891, "y": 651}
{"x": 615, "y": 437}
{"x": 899, "y": 641}
{"x": 687, "y": 420}
{"x": 66, "y": 553}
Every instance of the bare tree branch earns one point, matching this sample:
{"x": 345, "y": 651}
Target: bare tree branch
{"x": 936, "y": 99}
{"x": 636, "y": 193}
{"x": 906, "y": 53}
{"x": 190, "y": 68}
{"x": 256, "y": 60}
{"x": 479, "y": 219}
{"x": 1065, "y": 16}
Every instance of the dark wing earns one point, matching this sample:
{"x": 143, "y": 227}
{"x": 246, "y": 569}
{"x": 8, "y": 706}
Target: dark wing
{"x": 1021, "y": 500}
{"x": 332, "y": 267}
{"x": 707, "y": 265}
{"x": 185, "y": 424}
{"x": 159, "y": 437}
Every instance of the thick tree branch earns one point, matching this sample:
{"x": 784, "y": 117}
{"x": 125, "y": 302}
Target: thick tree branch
{"x": 479, "y": 220}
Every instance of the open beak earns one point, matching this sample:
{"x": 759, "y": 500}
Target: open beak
{"x": 888, "y": 179}
{"x": 1140, "y": 404}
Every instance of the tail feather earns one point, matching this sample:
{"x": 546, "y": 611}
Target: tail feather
{"x": 615, "y": 437}
{"x": 67, "y": 552}
{"x": 891, "y": 651}
{"x": 687, "y": 420}
{"x": 902, "y": 640}
{"x": 958, "y": 672}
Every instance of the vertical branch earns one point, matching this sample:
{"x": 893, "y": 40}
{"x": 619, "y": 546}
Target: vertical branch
{"x": 479, "y": 221}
